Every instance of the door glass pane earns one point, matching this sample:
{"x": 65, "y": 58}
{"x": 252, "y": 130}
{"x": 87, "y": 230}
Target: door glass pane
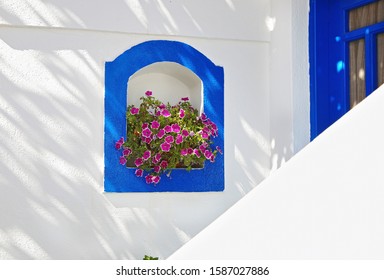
{"x": 366, "y": 15}
{"x": 380, "y": 59}
{"x": 356, "y": 72}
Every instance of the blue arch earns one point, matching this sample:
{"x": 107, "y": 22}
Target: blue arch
{"x": 117, "y": 178}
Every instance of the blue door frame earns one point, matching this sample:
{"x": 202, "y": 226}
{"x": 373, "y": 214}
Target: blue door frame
{"x": 329, "y": 54}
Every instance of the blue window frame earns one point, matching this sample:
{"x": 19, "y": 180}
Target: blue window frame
{"x": 329, "y": 39}
{"x": 118, "y": 178}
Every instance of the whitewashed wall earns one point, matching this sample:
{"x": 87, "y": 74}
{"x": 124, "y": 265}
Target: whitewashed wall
{"x": 327, "y": 202}
{"x": 51, "y": 121}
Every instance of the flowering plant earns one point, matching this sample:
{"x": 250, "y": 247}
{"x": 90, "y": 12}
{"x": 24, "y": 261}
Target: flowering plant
{"x": 163, "y": 137}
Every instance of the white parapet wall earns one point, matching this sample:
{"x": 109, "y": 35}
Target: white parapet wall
{"x": 327, "y": 202}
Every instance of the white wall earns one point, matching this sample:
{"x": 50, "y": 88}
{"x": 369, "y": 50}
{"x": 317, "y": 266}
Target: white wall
{"x": 327, "y": 202}
{"x": 51, "y": 122}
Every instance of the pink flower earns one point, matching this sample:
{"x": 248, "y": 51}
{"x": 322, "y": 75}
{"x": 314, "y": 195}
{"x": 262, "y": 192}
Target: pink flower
{"x": 155, "y": 125}
{"x": 148, "y": 93}
{"x": 204, "y": 117}
{"x": 181, "y": 113}
{"x": 185, "y": 98}
{"x": 207, "y": 154}
{"x": 175, "y": 128}
{"x": 157, "y": 168}
{"x": 202, "y": 148}
{"x": 146, "y": 132}
{"x": 161, "y": 106}
{"x": 127, "y": 151}
{"x": 156, "y": 179}
{"x": 156, "y": 158}
{"x": 164, "y": 164}
{"x": 134, "y": 111}
{"x": 165, "y": 147}
{"x": 190, "y": 151}
{"x": 185, "y": 133}
{"x": 144, "y": 125}
{"x": 148, "y": 140}
{"x": 204, "y": 134}
{"x": 161, "y": 133}
{"x": 138, "y": 162}
{"x": 219, "y": 150}
{"x": 184, "y": 152}
{"x": 146, "y": 155}
{"x": 123, "y": 160}
{"x": 165, "y": 113}
{"x": 212, "y": 158}
{"x": 179, "y": 139}
{"x": 168, "y": 129}
{"x": 139, "y": 172}
{"x": 118, "y": 145}
{"x": 169, "y": 139}
{"x": 148, "y": 179}
{"x": 196, "y": 152}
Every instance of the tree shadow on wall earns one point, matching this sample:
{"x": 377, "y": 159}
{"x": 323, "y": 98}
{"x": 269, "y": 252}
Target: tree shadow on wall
{"x": 51, "y": 149}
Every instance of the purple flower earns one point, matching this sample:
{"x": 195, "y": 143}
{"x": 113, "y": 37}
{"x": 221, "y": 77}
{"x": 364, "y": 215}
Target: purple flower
{"x": 144, "y": 125}
{"x": 204, "y": 134}
{"x": 118, "y": 145}
{"x": 134, "y": 111}
{"x": 146, "y": 132}
{"x": 148, "y": 140}
{"x": 202, "y": 148}
{"x": 138, "y": 162}
{"x": 165, "y": 147}
{"x": 204, "y": 117}
{"x": 207, "y": 154}
{"x": 185, "y": 133}
{"x": 161, "y": 133}
{"x": 127, "y": 151}
{"x": 175, "y": 128}
{"x": 164, "y": 164}
{"x": 182, "y": 113}
{"x": 148, "y": 179}
{"x": 184, "y": 152}
{"x": 185, "y": 98}
{"x": 156, "y": 158}
{"x": 165, "y": 113}
{"x": 169, "y": 139}
{"x": 190, "y": 151}
{"x": 196, "y": 152}
{"x": 179, "y": 139}
{"x": 168, "y": 129}
{"x": 157, "y": 168}
{"x": 148, "y": 93}
{"x": 155, "y": 125}
{"x": 156, "y": 179}
{"x": 139, "y": 172}
{"x": 123, "y": 160}
{"x": 161, "y": 106}
{"x": 146, "y": 155}
{"x": 212, "y": 158}
{"x": 219, "y": 150}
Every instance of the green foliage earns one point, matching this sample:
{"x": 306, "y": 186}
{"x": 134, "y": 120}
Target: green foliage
{"x": 149, "y": 258}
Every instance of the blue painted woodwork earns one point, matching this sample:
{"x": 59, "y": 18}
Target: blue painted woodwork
{"x": 329, "y": 54}
{"x": 118, "y": 178}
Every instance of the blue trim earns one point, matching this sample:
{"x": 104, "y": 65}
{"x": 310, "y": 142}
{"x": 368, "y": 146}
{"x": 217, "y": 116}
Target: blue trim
{"x": 329, "y": 55}
{"x": 117, "y": 178}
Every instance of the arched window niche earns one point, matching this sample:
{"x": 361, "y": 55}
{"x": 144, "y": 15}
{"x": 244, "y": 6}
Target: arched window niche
{"x": 171, "y": 70}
